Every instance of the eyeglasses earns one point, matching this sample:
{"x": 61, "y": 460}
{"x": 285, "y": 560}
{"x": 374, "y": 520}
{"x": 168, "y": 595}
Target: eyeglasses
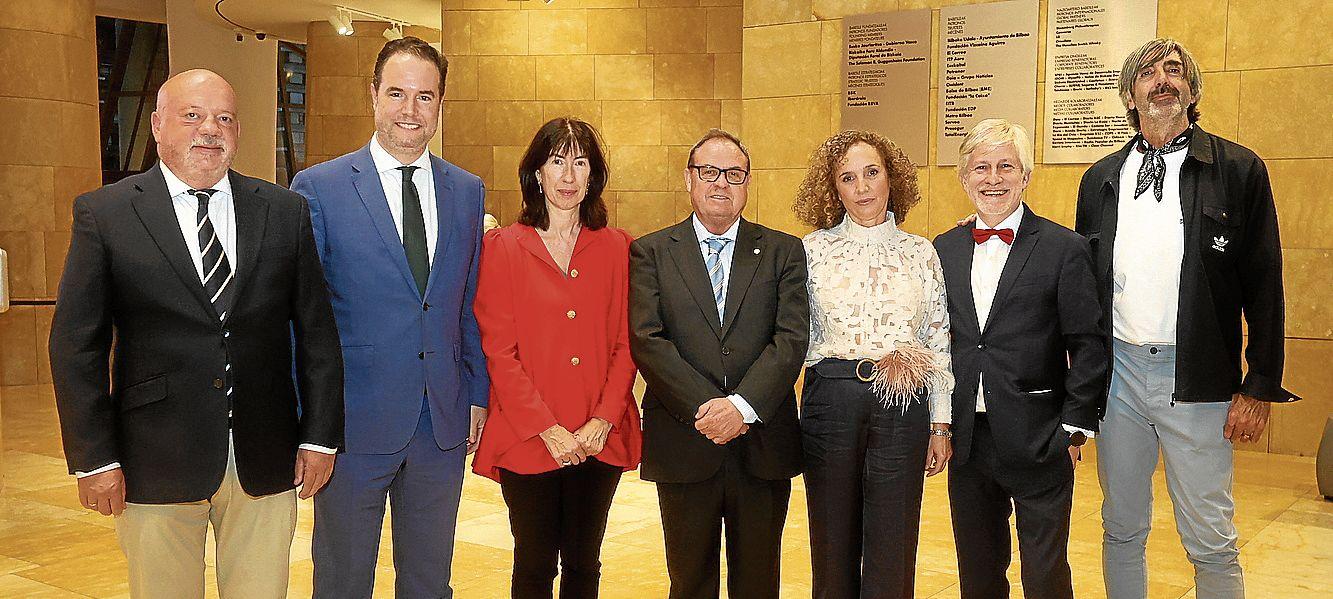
{"x": 709, "y": 173}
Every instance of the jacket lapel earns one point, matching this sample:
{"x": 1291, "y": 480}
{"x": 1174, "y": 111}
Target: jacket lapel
{"x": 251, "y": 221}
{"x": 153, "y": 206}
{"x": 448, "y": 215}
{"x": 690, "y": 264}
{"x": 366, "y": 181}
{"x": 531, "y": 241}
{"x": 1110, "y": 212}
{"x": 957, "y": 258}
{"x": 744, "y": 263}
{"x": 1028, "y": 230}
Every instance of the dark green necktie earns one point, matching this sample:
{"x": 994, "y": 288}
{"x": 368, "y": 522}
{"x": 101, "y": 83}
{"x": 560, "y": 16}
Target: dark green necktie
{"x": 414, "y": 231}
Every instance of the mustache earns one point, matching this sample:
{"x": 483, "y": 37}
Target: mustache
{"x": 1165, "y": 88}
{"x": 208, "y": 140}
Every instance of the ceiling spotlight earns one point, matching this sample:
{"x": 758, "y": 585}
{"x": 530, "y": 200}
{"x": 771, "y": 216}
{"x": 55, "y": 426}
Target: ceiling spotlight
{"x": 342, "y": 22}
{"x": 393, "y": 32}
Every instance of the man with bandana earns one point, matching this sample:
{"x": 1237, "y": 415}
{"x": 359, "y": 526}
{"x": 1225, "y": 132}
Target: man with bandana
{"x": 1185, "y": 237}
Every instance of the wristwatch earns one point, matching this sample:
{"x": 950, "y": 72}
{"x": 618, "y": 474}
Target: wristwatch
{"x": 1077, "y": 439}
{"x": 941, "y": 432}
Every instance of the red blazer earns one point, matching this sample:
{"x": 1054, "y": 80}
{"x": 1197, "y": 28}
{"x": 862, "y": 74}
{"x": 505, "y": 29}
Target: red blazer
{"x": 557, "y": 347}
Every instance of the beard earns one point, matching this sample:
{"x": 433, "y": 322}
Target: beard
{"x": 402, "y": 139}
{"x": 1158, "y": 110}
{"x": 196, "y": 166}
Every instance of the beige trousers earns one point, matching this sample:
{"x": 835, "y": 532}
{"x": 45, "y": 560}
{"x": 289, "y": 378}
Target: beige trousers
{"x": 164, "y": 544}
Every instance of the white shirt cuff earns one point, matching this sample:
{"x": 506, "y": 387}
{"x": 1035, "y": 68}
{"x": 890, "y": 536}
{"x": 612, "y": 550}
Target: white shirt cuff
{"x": 747, "y": 412}
{"x": 941, "y": 407}
{"x": 317, "y": 448}
{"x": 1071, "y": 429}
{"x": 106, "y": 468}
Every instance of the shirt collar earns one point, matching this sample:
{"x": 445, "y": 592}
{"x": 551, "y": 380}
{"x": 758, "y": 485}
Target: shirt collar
{"x": 703, "y": 233}
{"x": 880, "y": 233}
{"x": 177, "y": 187}
{"x": 1010, "y": 222}
{"x": 385, "y": 162}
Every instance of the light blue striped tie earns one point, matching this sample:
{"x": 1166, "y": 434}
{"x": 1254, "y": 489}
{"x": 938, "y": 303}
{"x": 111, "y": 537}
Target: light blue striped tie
{"x": 716, "y": 272}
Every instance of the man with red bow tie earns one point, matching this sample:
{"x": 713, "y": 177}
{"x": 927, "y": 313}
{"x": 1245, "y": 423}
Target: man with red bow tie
{"x": 1030, "y": 359}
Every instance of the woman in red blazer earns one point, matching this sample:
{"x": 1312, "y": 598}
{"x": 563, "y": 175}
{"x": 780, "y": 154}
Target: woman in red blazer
{"x": 552, "y": 297}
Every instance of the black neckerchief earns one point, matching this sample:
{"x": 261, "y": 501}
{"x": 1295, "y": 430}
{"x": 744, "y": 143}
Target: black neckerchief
{"x": 1153, "y": 170}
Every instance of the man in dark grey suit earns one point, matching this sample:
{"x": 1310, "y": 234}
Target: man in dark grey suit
{"x": 719, "y": 321}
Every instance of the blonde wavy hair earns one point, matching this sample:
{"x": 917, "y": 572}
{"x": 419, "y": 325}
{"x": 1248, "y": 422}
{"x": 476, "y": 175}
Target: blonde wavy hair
{"x": 817, "y": 203}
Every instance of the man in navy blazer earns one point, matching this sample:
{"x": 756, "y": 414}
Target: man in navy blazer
{"x": 399, "y": 233}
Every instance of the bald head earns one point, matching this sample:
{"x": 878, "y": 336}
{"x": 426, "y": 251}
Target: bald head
{"x": 195, "y": 126}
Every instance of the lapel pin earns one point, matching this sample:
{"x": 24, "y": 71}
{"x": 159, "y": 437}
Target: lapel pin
{"x": 756, "y": 250}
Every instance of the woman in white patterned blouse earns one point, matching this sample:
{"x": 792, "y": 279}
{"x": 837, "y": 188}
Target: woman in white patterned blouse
{"x": 875, "y": 409}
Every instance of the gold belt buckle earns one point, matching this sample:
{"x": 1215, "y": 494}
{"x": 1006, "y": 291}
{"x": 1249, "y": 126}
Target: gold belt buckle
{"x": 859, "y": 376}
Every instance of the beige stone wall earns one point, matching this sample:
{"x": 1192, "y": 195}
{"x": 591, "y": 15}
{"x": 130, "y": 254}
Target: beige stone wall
{"x": 651, "y": 75}
{"x": 1264, "y": 85}
{"x": 339, "y": 68}
{"x": 48, "y": 116}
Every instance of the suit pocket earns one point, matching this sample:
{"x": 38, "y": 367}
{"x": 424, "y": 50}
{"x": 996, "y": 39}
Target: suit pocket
{"x": 1042, "y": 282}
{"x": 276, "y": 251}
{"x": 143, "y": 393}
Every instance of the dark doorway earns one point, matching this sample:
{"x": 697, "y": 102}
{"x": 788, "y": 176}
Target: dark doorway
{"x": 131, "y": 66}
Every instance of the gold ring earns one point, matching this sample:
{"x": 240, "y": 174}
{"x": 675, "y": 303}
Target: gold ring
{"x": 859, "y": 376}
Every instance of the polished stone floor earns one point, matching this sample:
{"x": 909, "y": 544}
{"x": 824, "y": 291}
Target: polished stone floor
{"x": 49, "y": 547}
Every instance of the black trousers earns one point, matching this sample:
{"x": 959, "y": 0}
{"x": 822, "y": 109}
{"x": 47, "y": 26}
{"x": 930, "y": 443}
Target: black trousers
{"x": 559, "y": 515}
{"x": 693, "y": 515}
{"x": 981, "y": 493}
{"x": 864, "y": 473}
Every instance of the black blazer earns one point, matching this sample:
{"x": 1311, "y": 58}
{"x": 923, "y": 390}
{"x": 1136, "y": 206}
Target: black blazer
{"x": 1043, "y": 352}
{"x": 159, "y": 408}
{"x": 687, "y": 357}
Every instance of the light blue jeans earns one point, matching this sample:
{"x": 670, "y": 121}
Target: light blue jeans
{"x": 1141, "y": 419}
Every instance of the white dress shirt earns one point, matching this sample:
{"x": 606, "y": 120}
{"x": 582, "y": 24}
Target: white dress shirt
{"x": 702, "y": 232}
{"x": 392, "y": 180}
{"x": 222, "y": 213}
{"x": 1144, "y": 301}
{"x": 988, "y": 259}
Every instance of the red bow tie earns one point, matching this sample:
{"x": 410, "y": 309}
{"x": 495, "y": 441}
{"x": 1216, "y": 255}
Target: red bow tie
{"x": 981, "y": 235}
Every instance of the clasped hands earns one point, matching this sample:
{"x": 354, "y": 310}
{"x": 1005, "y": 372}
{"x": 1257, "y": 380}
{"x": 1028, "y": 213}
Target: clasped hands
{"x": 720, "y": 421}
{"x": 571, "y": 449}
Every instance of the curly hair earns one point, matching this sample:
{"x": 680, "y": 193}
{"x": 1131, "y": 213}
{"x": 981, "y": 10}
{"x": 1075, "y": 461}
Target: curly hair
{"x": 817, "y": 203}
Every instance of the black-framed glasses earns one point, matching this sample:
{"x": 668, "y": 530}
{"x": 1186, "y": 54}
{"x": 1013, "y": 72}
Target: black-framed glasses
{"x": 709, "y": 173}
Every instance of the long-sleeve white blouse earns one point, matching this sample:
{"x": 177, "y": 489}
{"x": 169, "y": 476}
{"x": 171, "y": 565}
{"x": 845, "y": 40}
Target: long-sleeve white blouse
{"x": 873, "y": 289}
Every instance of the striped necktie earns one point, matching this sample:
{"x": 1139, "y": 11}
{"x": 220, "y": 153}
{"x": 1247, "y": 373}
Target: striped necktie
{"x": 217, "y": 271}
{"x": 717, "y": 273}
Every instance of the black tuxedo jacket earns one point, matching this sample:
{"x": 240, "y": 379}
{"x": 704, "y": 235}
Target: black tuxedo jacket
{"x": 1042, "y": 352}
{"x": 130, "y": 293}
{"x": 687, "y": 357}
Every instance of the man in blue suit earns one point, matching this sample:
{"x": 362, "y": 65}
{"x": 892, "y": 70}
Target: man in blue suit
{"x": 399, "y": 232}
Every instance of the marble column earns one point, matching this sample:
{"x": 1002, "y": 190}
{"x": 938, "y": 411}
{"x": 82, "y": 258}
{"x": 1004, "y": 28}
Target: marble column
{"x": 48, "y": 113}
